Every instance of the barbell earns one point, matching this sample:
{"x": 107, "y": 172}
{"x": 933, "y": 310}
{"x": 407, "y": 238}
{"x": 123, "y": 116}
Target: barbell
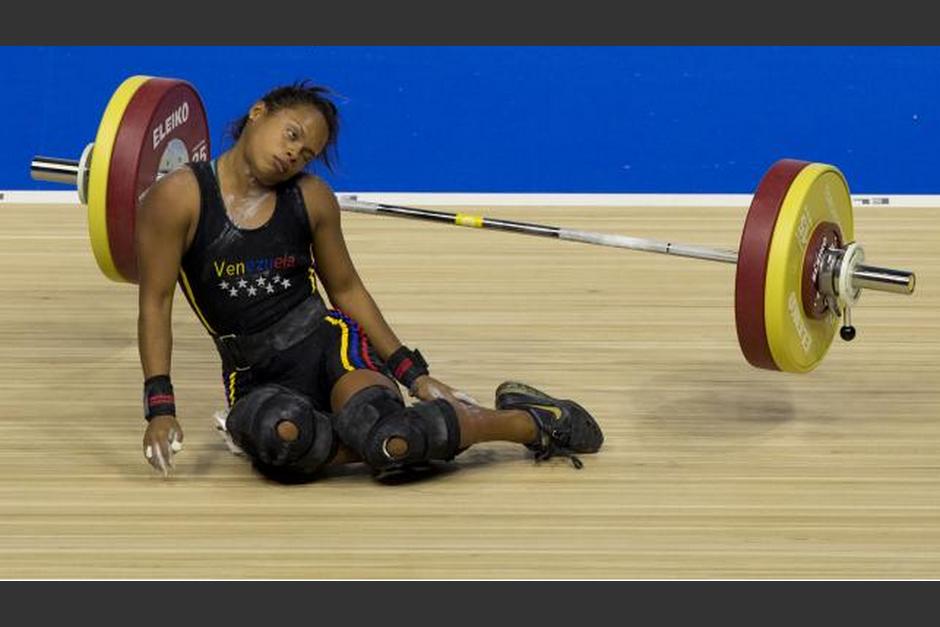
{"x": 799, "y": 269}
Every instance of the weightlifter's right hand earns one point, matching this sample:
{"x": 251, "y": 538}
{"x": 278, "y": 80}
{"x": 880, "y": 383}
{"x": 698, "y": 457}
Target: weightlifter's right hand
{"x": 162, "y": 440}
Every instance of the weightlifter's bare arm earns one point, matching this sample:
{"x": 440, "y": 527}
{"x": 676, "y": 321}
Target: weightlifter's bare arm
{"x": 166, "y": 218}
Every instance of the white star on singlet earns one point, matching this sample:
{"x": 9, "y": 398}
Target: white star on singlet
{"x": 277, "y": 278}
{"x": 242, "y": 283}
{"x": 223, "y": 285}
{"x": 285, "y": 283}
{"x": 269, "y": 288}
{"x": 252, "y": 291}
{"x": 233, "y": 292}
{"x": 260, "y": 280}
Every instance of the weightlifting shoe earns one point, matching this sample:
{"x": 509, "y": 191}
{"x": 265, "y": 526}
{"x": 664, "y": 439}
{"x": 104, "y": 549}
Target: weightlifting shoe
{"x": 564, "y": 427}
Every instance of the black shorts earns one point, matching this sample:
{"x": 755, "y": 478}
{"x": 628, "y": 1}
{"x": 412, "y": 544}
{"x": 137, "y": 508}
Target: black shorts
{"x": 312, "y": 366}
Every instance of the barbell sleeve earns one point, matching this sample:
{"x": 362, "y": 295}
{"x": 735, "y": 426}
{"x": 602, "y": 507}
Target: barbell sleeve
{"x": 54, "y": 170}
{"x": 883, "y": 279}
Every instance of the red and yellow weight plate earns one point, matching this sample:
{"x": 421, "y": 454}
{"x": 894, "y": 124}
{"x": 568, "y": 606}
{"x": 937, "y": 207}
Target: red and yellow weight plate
{"x": 164, "y": 126}
{"x": 819, "y": 195}
{"x": 753, "y": 251}
{"x": 98, "y": 174}
{"x": 150, "y": 126}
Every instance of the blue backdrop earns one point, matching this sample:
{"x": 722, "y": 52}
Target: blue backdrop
{"x": 529, "y": 119}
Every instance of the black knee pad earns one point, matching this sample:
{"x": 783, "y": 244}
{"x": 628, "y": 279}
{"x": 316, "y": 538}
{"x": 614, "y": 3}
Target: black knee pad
{"x": 375, "y": 415}
{"x": 253, "y": 420}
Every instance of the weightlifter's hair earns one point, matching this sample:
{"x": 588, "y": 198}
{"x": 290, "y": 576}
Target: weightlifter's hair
{"x": 303, "y": 92}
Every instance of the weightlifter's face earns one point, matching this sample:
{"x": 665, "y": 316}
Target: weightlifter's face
{"x": 281, "y": 143}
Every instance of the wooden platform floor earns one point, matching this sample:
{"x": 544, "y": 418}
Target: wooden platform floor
{"x": 711, "y": 469}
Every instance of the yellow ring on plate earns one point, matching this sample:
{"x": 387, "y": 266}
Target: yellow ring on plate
{"x": 98, "y": 174}
{"x": 819, "y": 193}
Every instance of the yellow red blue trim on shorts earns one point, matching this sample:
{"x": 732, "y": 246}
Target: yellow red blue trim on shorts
{"x": 231, "y": 388}
{"x": 354, "y": 349}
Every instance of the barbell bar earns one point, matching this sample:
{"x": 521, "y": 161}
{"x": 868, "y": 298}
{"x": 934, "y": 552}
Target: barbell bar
{"x": 798, "y": 266}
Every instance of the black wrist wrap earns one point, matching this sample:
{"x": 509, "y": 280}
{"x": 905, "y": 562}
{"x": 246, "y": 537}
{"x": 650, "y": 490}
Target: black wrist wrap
{"x": 158, "y": 397}
{"x": 407, "y": 365}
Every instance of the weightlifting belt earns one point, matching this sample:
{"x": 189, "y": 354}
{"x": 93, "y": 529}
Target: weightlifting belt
{"x": 241, "y": 352}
